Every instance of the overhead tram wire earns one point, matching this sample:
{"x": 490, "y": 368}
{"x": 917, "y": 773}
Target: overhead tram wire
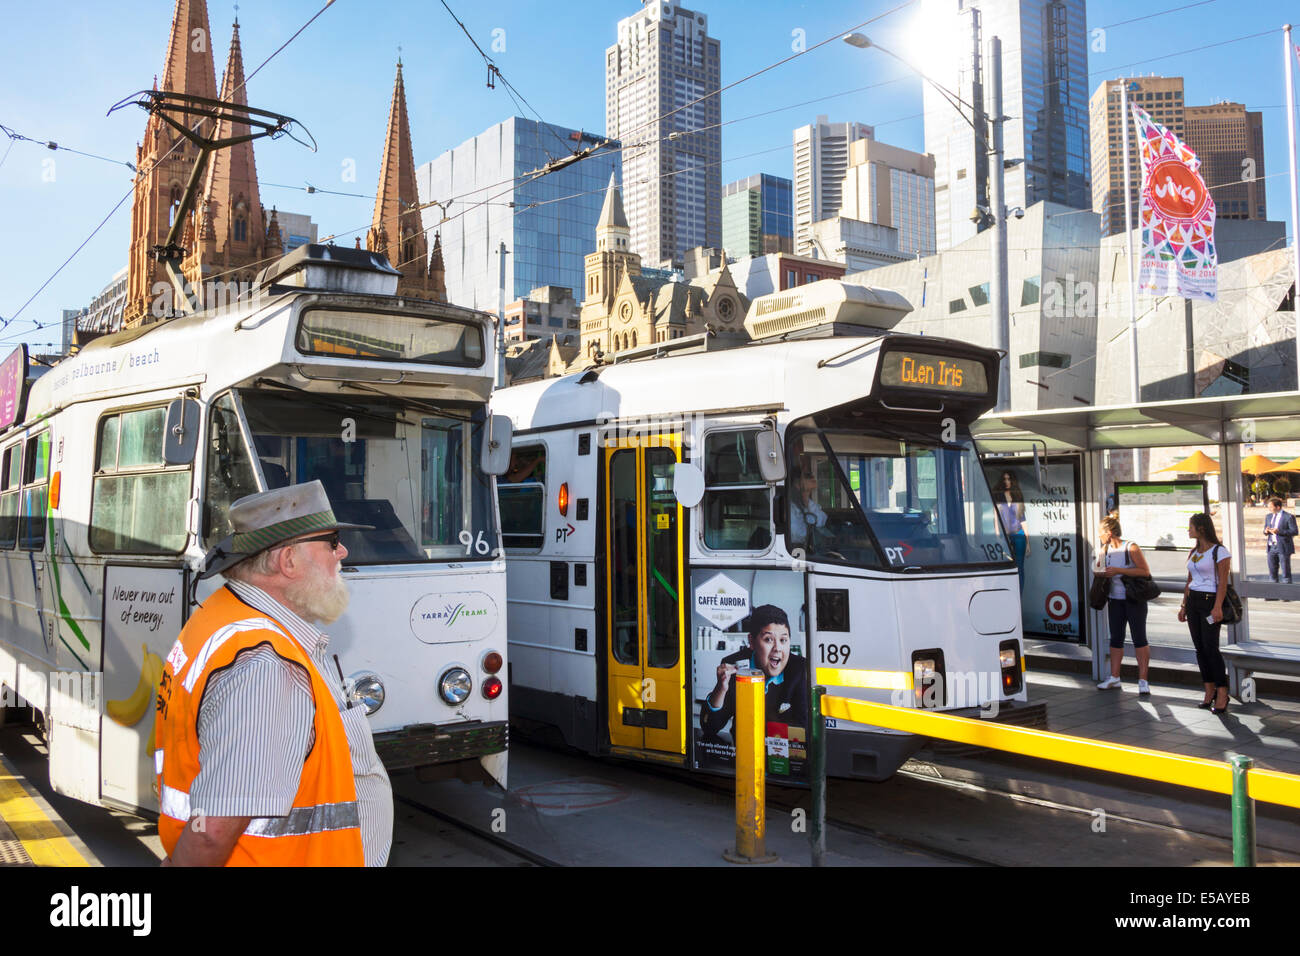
{"x": 5, "y": 323}
{"x": 15, "y": 136}
{"x": 494, "y": 72}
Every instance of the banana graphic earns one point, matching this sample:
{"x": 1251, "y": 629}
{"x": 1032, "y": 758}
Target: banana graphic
{"x": 129, "y": 711}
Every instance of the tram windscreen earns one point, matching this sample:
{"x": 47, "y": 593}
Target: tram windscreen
{"x": 890, "y": 495}
{"x": 411, "y": 472}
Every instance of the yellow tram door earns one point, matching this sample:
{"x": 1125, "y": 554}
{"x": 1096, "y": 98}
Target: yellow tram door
{"x": 644, "y": 590}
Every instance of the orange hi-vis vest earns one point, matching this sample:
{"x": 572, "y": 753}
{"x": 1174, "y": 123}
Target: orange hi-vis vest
{"x": 324, "y": 826}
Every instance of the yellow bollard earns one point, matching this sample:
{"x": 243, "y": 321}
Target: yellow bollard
{"x": 751, "y": 754}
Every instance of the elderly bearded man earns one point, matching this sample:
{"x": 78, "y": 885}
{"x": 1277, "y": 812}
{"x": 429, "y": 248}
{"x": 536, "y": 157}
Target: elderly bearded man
{"x": 264, "y": 761}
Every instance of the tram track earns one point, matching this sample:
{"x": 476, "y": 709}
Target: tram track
{"x": 495, "y": 840}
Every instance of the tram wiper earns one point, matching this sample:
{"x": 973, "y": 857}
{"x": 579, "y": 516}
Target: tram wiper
{"x": 413, "y": 402}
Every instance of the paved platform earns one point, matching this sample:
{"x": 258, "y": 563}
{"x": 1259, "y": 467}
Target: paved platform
{"x": 31, "y": 833}
{"x": 1168, "y": 719}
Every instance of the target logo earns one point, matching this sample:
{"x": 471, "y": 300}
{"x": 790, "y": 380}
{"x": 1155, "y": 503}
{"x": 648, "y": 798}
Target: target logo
{"x": 1058, "y": 605}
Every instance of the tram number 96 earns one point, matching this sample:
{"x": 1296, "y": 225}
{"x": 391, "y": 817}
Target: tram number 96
{"x": 834, "y": 653}
{"x": 1059, "y": 550}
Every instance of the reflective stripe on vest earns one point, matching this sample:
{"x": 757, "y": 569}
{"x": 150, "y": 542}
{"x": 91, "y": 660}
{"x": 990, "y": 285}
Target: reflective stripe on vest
{"x": 300, "y": 821}
{"x": 219, "y": 637}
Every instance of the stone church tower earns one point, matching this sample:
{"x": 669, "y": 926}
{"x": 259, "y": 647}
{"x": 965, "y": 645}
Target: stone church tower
{"x": 231, "y": 243}
{"x": 165, "y": 160}
{"x": 396, "y": 230}
{"x": 606, "y": 270}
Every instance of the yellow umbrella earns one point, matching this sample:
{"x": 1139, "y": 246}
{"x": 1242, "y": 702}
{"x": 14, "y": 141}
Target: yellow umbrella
{"x": 1292, "y": 465}
{"x": 1257, "y": 464}
{"x": 1198, "y": 463}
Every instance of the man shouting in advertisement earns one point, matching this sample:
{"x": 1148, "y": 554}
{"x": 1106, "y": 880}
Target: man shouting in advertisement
{"x": 263, "y": 760}
{"x": 785, "y": 675}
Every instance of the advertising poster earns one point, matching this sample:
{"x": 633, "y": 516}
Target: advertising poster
{"x": 1051, "y": 591}
{"x": 1155, "y": 513}
{"x": 144, "y": 610}
{"x": 750, "y": 619}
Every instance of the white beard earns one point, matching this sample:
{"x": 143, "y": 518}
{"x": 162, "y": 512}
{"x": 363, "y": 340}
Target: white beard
{"x": 321, "y": 598}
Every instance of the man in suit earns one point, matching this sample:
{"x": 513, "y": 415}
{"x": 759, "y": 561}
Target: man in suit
{"x": 785, "y": 675}
{"x": 1279, "y": 534}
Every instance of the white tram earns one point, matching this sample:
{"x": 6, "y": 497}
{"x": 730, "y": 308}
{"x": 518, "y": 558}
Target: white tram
{"x": 809, "y": 504}
{"x": 121, "y": 472}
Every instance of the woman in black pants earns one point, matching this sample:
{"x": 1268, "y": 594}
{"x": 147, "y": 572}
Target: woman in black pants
{"x": 1208, "y": 567}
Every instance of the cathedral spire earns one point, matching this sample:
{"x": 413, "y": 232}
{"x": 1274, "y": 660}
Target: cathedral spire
{"x": 230, "y": 190}
{"x": 612, "y": 231}
{"x": 396, "y": 224}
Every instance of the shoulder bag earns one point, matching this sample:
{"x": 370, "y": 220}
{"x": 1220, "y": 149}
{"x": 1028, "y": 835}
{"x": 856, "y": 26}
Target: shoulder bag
{"x": 1231, "y": 602}
{"x": 1143, "y": 588}
{"x": 1099, "y": 591}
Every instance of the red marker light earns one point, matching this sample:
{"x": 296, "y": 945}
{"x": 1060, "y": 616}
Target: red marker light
{"x": 492, "y": 662}
{"x": 563, "y": 500}
{"x": 492, "y": 688}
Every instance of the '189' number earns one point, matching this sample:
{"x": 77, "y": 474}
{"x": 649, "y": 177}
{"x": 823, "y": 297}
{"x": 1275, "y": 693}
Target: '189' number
{"x": 834, "y": 653}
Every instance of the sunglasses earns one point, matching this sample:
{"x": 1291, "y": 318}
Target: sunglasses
{"x": 332, "y": 539}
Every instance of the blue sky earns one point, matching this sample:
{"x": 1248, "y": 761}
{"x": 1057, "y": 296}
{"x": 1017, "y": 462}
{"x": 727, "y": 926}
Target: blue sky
{"x": 66, "y": 64}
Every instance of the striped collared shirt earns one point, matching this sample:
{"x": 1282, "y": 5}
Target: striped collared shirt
{"x": 255, "y": 730}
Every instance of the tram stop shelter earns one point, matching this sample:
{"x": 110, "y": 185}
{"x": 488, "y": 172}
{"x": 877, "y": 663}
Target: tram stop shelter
{"x": 1074, "y": 466}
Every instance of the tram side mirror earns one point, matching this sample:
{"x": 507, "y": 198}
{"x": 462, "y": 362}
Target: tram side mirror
{"x": 688, "y": 484}
{"x": 771, "y": 459}
{"x": 496, "y": 445}
{"x": 181, "y": 432}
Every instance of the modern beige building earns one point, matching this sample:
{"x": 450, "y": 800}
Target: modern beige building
{"x": 821, "y": 158}
{"x": 1230, "y": 143}
{"x": 891, "y": 187}
{"x": 1162, "y": 98}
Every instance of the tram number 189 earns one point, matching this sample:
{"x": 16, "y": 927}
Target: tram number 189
{"x": 834, "y": 653}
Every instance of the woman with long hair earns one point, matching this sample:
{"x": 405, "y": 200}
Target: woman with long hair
{"x": 1120, "y": 559}
{"x": 1208, "y": 565}
{"x": 1011, "y": 508}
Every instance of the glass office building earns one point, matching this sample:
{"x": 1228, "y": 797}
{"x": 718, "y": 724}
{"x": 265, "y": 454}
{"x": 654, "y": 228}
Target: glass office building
{"x": 757, "y": 215}
{"x": 1045, "y": 97}
{"x": 548, "y": 225}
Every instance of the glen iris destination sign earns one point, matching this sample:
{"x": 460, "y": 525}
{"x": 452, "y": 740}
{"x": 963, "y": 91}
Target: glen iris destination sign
{"x": 13, "y": 386}
{"x": 938, "y": 373}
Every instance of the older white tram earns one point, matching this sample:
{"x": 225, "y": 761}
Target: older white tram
{"x": 809, "y": 504}
{"x": 121, "y": 472}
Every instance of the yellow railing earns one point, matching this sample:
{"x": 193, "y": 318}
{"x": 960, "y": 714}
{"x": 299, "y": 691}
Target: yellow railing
{"x": 1271, "y": 786}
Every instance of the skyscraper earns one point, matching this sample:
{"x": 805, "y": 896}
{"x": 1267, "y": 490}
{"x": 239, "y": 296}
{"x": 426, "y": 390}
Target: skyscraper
{"x": 546, "y": 224}
{"x": 1159, "y": 96}
{"x": 821, "y": 158}
{"x": 1045, "y": 100}
{"x": 757, "y": 216}
{"x": 663, "y": 62}
{"x": 1229, "y": 140}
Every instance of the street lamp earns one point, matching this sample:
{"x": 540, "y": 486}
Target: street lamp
{"x": 996, "y": 216}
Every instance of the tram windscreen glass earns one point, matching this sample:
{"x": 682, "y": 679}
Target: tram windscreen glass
{"x": 935, "y": 373}
{"x": 411, "y": 473}
{"x": 890, "y": 495}
{"x": 387, "y": 337}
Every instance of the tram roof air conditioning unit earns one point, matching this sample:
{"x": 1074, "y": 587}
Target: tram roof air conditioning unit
{"x": 837, "y": 306}
{"x": 319, "y": 268}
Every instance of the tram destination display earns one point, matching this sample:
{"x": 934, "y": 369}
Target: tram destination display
{"x": 1155, "y": 513}
{"x": 935, "y": 373}
{"x": 746, "y": 618}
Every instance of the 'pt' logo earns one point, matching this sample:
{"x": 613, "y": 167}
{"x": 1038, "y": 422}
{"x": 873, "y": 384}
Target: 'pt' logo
{"x": 562, "y": 534}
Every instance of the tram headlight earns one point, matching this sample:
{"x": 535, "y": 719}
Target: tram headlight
{"x": 454, "y": 686}
{"x": 367, "y": 690}
{"x": 928, "y": 678}
{"x": 1009, "y": 661}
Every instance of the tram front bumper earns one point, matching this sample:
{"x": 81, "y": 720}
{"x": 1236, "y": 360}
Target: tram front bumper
{"x": 422, "y": 745}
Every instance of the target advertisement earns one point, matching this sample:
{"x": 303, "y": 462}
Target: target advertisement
{"x": 1039, "y": 508}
